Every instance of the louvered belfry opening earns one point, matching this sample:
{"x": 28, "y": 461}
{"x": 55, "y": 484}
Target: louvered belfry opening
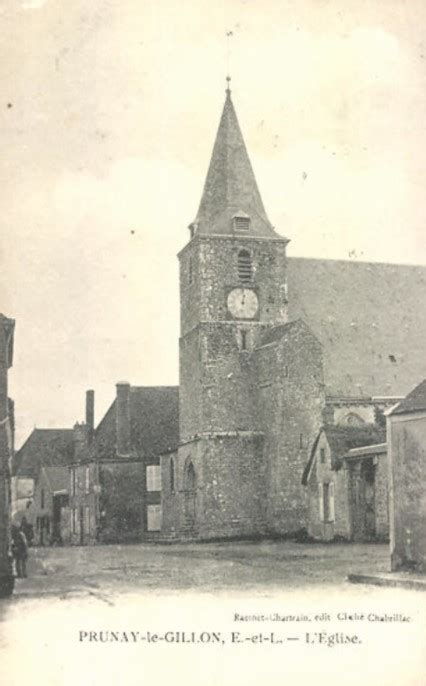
{"x": 245, "y": 267}
{"x": 242, "y": 224}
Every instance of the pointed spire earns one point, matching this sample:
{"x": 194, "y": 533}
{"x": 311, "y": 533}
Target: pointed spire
{"x": 230, "y": 190}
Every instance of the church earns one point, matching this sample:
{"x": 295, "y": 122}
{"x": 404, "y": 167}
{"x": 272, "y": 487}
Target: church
{"x": 270, "y": 350}
{"x": 278, "y": 356}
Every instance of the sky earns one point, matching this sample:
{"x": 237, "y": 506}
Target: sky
{"x": 108, "y": 115}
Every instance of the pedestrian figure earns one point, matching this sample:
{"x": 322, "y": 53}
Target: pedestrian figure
{"x": 28, "y": 530}
{"x": 19, "y": 551}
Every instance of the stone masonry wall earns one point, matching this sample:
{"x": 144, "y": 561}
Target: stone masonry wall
{"x": 291, "y": 403}
{"x": 382, "y": 497}
{"x": 209, "y": 269}
{"x": 229, "y": 491}
{"x": 407, "y": 465}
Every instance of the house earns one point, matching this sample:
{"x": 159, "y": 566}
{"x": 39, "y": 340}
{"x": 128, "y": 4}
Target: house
{"x": 115, "y": 478}
{"x": 406, "y": 431}
{"x": 366, "y": 471}
{"x": 50, "y": 498}
{"x": 43, "y": 448}
{"x": 7, "y": 430}
{"x": 329, "y": 477}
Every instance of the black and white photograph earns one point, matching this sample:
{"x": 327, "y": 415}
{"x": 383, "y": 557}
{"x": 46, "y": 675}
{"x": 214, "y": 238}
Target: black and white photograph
{"x": 213, "y": 342}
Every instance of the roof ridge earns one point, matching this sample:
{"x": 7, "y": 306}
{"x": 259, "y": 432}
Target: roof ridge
{"x": 293, "y": 258}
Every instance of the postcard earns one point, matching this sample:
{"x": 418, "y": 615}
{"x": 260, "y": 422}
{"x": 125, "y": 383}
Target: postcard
{"x": 212, "y": 342}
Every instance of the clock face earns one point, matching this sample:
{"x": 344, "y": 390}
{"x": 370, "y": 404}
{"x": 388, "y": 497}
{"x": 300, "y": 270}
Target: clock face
{"x": 242, "y": 303}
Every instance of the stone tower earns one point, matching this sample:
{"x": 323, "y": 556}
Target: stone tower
{"x": 232, "y": 291}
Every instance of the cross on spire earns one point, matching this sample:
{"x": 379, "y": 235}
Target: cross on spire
{"x": 229, "y": 35}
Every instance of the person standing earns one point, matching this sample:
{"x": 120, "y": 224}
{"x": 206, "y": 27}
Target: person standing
{"x": 19, "y": 551}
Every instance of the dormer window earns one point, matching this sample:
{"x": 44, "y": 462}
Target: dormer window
{"x": 241, "y": 222}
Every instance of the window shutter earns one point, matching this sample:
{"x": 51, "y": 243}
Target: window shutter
{"x": 321, "y": 501}
{"x": 331, "y": 501}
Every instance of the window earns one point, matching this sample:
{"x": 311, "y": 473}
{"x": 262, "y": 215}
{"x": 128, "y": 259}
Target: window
{"x": 245, "y": 267}
{"x": 153, "y": 477}
{"x": 154, "y": 516}
{"x": 72, "y": 477}
{"x": 241, "y": 223}
{"x": 74, "y": 520}
{"x": 244, "y": 340}
{"x": 42, "y": 499}
{"x": 322, "y": 455}
{"x": 87, "y": 519}
{"x": 87, "y": 479}
{"x": 190, "y": 270}
{"x": 190, "y": 481}
{"x": 353, "y": 419}
{"x": 326, "y": 501}
{"x": 172, "y": 475}
{"x": 300, "y": 440}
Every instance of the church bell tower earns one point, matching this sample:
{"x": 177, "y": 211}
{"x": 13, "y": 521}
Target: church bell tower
{"x": 232, "y": 289}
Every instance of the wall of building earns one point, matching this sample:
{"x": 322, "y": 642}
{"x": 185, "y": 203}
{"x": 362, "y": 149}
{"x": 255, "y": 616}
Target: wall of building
{"x": 124, "y": 501}
{"x": 382, "y": 496}
{"x": 322, "y": 473}
{"x": 80, "y": 518}
{"x": 23, "y": 493}
{"x": 364, "y": 527}
{"x": 291, "y": 401}
{"x": 40, "y": 514}
{"x": 216, "y": 381}
{"x": 6, "y": 454}
{"x": 229, "y": 498}
{"x": 212, "y": 262}
{"x": 407, "y": 496}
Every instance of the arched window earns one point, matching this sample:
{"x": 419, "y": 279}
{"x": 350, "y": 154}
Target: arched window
{"x": 172, "y": 475}
{"x": 189, "y": 484}
{"x": 190, "y": 477}
{"x": 244, "y": 265}
{"x": 352, "y": 419}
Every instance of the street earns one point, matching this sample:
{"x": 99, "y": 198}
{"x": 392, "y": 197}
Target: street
{"x": 128, "y": 614}
{"x": 236, "y": 566}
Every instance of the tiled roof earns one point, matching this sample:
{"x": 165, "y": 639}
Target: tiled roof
{"x": 154, "y": 412}
{"x": 230, "y": 188}
{"x": 414, "y": 401}
{"x": 44, "y": 447}
{"x": 341, "y": 439}
{"x": 370, "y": 320}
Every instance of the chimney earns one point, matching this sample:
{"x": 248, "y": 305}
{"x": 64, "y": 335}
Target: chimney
{"x": 122, "y": 418}
{"x": 90, "y": 412}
